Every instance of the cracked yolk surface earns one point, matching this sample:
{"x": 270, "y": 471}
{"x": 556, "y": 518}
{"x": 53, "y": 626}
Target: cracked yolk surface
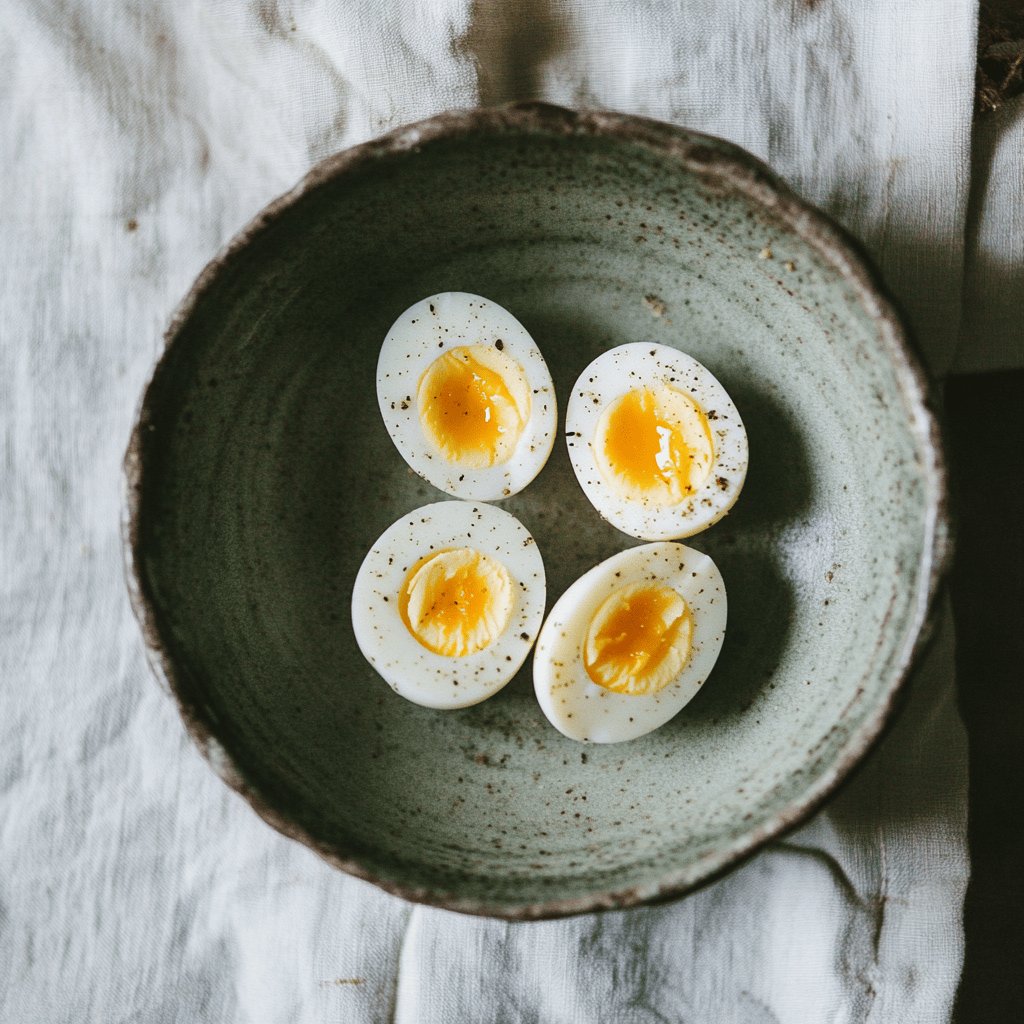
{"x": 639, "y": 639}
{"x": 654, "y": 445}
{"x": 474, "y": 403}
{"x": 457, "y": 602}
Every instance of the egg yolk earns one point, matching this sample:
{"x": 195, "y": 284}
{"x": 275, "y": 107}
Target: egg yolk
{"x": 474, "y": 402}
{"x": 639, "y": 639}
{"x": 457, "y": 602}
{"x": 654, "y": 445}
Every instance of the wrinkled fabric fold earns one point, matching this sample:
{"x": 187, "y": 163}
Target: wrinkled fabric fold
{"x": 992, "y": 329}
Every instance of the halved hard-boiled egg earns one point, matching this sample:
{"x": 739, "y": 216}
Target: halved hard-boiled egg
{"x": 630, "y": 643}
{"x": 655, "y": 441}
{"x": 466, "y": 396}
{"x": 448, "y": 603}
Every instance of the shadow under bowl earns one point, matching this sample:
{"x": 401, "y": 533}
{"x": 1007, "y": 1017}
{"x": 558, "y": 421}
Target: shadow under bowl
{"x": 260, "y": 473}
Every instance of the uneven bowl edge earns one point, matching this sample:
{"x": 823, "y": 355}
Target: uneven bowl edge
{"x": 713, "y": 160}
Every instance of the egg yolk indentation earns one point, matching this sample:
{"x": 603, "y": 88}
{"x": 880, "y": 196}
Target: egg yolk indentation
{"x": 474, "y": 402}
{"x": 639, "y": 639}
{"x": 457, "y": 602}
{"x": 654, "y": 445}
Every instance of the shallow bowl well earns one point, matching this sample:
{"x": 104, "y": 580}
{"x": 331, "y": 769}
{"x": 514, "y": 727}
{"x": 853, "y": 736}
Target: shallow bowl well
{"x": 260, "y": 473}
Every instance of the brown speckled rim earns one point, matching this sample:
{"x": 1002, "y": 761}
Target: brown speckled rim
{"x": 718, "y": 164}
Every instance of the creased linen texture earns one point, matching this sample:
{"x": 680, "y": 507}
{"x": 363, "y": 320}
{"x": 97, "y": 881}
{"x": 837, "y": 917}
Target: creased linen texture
{"x": 992, "y": 328}
{"x": 135, "y": 139}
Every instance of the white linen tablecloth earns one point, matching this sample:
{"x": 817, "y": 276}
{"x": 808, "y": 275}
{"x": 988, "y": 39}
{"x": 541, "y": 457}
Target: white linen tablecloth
{"x": 135, "y": 138}
{"x": 992, "y": 326}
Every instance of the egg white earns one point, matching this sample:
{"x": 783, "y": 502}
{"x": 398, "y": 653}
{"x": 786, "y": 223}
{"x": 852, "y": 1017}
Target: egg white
{"x": 579, "y": 708}
{"x": 643, "y": 365}
{"x": 414, "y": 672}
{"x": 426, "y": 331}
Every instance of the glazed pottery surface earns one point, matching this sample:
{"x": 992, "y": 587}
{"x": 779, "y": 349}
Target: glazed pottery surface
{"x": 260, "y": 473}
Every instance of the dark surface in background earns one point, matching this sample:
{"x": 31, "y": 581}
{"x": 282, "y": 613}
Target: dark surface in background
{"x": 985, "y": 422}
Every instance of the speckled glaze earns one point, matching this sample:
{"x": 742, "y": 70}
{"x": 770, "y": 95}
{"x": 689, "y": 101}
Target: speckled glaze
{"x": 260, "y": 473}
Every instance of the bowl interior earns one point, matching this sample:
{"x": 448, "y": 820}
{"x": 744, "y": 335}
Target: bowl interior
{"x": 268, "y": 475}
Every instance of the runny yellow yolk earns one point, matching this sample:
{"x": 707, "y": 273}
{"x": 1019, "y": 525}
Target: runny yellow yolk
{"x": 457, "y": 602}
{"x": 654, "y": 445}
{"x": 473, "y": 403}
{"x": 639, "y": 639}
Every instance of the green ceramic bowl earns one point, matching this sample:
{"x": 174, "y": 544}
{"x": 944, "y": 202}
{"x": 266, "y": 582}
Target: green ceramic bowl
{"x": 260, "y": 473}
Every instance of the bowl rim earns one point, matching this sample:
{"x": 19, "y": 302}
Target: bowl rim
{"x": 715, "y": 161}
